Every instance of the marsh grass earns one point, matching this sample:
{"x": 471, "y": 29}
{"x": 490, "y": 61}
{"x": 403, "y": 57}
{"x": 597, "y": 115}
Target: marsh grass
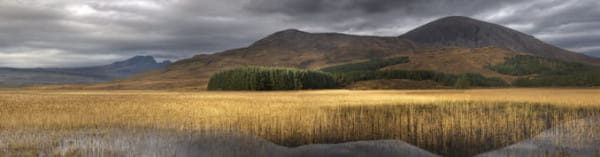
{"x": 446, "y": 122}
{"x": 448, "y": 129}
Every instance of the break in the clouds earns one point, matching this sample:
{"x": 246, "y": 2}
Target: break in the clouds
{"x": 67, "y": 33}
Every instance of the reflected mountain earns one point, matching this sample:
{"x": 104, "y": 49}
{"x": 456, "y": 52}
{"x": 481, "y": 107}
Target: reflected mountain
{"x": 577, "y": 138}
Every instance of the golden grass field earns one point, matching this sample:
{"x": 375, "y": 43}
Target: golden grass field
{"x": 446, "y": 122}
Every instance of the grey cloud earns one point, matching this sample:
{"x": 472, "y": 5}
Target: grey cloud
{"x": 113, "y": 28}
{"x": 108, "y": 30}
{"x": 412, "y": 7}
{"x": 364, "y": 16}
{"x": 571, "y": 24}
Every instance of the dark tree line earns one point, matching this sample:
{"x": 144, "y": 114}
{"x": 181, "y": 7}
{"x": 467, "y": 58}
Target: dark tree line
{"x": 268, "y": 78}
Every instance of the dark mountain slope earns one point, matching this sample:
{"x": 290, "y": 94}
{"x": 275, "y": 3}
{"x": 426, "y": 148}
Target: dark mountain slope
{"x": 460, "y": 31}
{"x": 97, "y": 74}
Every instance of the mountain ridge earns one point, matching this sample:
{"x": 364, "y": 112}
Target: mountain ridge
{"x": 298, "y": 49}
{"x": 304, "y": 50}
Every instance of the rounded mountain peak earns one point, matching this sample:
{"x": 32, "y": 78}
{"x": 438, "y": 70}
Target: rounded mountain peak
{"x": 463, "y": 31}
{"x": 457, "y": 19}
{"x": 287, "y": 33}
{"x": 464, "y": 24}
{"x": 460, "y": 31}
{"x": 291, "y": 30}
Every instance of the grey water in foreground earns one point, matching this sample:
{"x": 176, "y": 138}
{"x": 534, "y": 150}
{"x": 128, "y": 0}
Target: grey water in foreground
{"x": 576, "y": 138}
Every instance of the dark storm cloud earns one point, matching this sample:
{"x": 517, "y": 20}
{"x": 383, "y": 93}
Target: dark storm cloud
{"x": 77, "y": 33}
{"x": 377, "y": 11}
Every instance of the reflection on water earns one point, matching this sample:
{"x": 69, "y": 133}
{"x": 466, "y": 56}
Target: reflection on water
{"x": 165, "y": 144}
{"x": 576, "y": 138}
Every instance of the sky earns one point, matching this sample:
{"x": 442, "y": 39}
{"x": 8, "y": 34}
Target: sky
{"x": 74, "y": 33}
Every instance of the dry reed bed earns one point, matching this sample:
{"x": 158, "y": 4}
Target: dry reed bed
{"x": 447, "y": 122}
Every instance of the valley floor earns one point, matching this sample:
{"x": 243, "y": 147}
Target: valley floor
{"x": 443, "y": 122}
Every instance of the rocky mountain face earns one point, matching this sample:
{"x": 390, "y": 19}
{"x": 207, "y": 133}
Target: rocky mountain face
{"x": 83, "y": 75}
{"x": 457, "y": 31}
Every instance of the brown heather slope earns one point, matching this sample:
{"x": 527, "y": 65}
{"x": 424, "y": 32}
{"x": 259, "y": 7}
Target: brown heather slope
{"x": 289, "y": 48}
{"x": 458, "y": 61}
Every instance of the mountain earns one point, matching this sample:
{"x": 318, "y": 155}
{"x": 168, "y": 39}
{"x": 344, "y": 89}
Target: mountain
{"x": 452, "y": 45}
{"x": 458, "y": 31}
{"x": 83, "y": 75}
{"x": 294, "y": 48}
{"x": 287, "y": 48}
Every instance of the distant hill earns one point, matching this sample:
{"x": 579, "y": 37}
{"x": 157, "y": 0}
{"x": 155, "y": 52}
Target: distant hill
{"x": 11, "y": 77}
{"x": 458, "y": 31}
{"x": 452, "y": 45}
